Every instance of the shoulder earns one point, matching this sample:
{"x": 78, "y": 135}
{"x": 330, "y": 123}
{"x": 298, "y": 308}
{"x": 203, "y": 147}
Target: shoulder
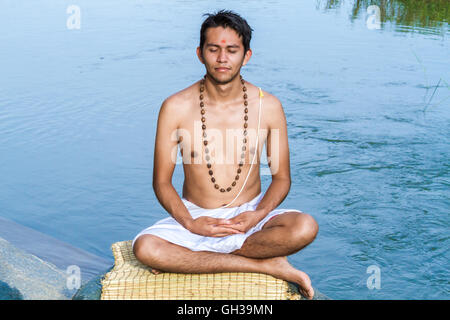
{"x": 178, "y": 104}
{"x": 273, "y": 109}
{"x": 271, "y": 101}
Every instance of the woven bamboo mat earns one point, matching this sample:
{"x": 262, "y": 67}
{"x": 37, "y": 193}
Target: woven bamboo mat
{"x": 130, "y": 279}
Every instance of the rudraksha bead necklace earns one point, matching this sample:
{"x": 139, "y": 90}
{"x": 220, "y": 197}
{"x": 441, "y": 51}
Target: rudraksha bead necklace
{"x": 205, "y": 142}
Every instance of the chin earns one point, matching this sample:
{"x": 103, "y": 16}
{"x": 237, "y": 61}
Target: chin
{"x": 223, "y": 78}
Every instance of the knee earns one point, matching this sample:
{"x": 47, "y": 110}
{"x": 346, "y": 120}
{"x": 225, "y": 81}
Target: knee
{"x": 147, "y": 248}
{"x": 304, "y": 228}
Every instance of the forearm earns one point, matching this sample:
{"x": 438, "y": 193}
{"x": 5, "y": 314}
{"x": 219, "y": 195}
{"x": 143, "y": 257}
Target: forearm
{"x": 171, "y": 201}
{"x": 275, "y": 194}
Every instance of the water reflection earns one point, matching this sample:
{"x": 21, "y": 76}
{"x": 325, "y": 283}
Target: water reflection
{"x": 421, "y": 16}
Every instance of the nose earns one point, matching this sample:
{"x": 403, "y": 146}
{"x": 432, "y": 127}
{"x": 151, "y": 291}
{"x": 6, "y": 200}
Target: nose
{"x": 222, "y": 57}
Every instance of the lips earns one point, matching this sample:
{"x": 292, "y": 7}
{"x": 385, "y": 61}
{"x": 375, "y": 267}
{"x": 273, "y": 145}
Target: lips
{"x": 222, "y": 69}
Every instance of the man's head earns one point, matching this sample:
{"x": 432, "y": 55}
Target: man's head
{"x": 224, "y": 43}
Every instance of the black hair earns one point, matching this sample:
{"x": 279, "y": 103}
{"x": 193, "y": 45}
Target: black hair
{"x": 230, "y": 19}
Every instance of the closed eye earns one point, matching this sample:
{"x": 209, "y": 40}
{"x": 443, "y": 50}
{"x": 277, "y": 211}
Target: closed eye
{"x": 215, "y": 50}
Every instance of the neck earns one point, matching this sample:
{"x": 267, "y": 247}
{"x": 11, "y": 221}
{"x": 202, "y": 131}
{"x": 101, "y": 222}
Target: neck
{"x": 223, "y": 93}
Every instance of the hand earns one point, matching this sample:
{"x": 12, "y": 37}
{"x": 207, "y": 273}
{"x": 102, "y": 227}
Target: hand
{"x": 211, "y": 227}
{"x": 245, "y": 220}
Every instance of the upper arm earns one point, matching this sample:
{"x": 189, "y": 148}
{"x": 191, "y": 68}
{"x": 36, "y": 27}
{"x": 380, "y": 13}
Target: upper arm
{"x": 166, "y": 147}
{"x": 277, "y": 140}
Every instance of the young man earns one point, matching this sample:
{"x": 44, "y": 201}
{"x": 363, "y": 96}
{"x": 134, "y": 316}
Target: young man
{"x": 224, "y": 223}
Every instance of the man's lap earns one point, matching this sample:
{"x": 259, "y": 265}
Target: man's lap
{"x": 169, "y": 229}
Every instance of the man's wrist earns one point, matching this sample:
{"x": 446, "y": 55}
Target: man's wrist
{"x": 261, "y": 213}
{"x": 187, "y": 223}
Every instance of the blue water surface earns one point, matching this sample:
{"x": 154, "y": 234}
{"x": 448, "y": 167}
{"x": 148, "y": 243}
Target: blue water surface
{"x": 367, "y": 110}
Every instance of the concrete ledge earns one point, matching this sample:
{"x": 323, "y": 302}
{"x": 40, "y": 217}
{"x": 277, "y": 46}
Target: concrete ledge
{"x": 25, "y": 276}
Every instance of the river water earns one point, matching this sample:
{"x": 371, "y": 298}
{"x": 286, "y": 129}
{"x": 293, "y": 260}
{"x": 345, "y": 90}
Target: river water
{"x": 366, "y": 98}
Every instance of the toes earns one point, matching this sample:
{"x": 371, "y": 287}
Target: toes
{"x": 307, "y": 293}
{"x": 310, "y": 293}
{"x": 155, "y": 272}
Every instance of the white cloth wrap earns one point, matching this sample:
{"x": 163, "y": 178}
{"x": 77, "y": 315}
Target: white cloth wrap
{"x": 169, "y": 229}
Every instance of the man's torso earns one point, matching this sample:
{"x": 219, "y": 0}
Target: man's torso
{"x": 224, "y": 129}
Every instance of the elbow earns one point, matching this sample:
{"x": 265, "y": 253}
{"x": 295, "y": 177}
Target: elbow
{"x": 157, "y": 185}
{"x": 286, "y": 181}
{"x": 289, "y": 183}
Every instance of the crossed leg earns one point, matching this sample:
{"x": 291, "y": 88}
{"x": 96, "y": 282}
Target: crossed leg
{"x": 264, "y": 251}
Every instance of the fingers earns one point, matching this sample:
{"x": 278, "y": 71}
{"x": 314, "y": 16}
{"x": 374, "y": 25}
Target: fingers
{"x": 224, "y": 231}
{"x": 223, "y": 221}
{"x": 219, "y": 235}
{"x": 236, "y": 227}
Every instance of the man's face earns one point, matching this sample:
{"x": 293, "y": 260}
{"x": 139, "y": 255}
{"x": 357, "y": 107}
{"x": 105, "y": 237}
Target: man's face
{"x": 223, "y": 54}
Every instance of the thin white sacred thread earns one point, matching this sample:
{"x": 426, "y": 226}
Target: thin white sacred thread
{"x": 256, "y": 149}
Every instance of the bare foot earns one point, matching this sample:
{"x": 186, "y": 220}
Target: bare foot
{"x": 282, "y": 269}
{"x": 154, "y": 271}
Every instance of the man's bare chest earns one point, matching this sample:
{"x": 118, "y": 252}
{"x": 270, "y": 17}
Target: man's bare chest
{"x": 225, "y": 137}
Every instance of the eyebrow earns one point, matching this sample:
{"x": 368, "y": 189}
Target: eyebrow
{"x": 216, "y": 45}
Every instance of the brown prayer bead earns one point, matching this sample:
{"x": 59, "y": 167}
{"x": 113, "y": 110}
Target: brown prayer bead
{"x": 205, "y": 142}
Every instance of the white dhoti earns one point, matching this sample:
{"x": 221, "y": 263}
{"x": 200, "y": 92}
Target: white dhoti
{"x": 169, "y": 229}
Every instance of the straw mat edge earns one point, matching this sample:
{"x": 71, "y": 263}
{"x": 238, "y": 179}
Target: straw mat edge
{"x": 130, "y": 279}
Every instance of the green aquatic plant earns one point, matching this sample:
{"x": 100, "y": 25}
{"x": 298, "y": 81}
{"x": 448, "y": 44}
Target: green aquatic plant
{"x": 427, "y": 86}
{"x": 421, "y": 16}
{"x": 437, "y": 86}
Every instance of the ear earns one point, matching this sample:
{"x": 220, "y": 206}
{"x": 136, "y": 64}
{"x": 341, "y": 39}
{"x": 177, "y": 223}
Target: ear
{"x": 199, "y": 55}
{"x": 247, "y": 56}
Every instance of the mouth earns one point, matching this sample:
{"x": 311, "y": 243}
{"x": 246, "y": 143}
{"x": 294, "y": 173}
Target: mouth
{"x": 221, "y": 69}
